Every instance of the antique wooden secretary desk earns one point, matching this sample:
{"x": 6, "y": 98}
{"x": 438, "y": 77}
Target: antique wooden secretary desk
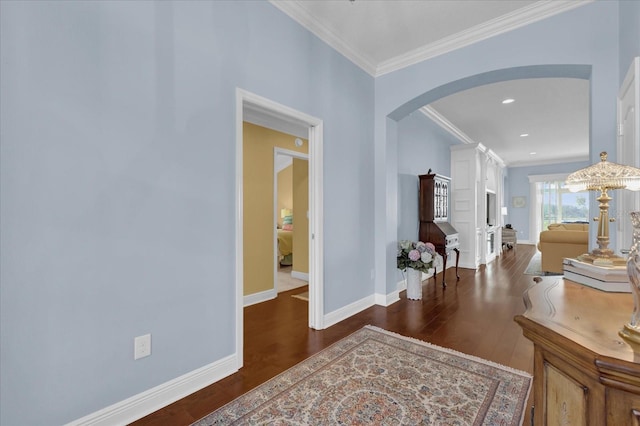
{"x": 433, "y": 206}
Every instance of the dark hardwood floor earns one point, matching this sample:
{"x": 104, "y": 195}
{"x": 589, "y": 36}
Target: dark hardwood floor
{"x": 474, "y": 316}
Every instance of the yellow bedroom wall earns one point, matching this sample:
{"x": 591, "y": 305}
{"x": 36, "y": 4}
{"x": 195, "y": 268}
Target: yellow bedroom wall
{"x": 285, "y": 191}
{"x": 300, "y": 218}
{"x": 258, "y": 209}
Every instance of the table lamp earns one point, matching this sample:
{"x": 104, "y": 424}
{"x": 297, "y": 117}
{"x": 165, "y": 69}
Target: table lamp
{"x": 603, "y": 177}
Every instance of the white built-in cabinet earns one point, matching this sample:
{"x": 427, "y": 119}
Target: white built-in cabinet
{"x": 476, "y": 200}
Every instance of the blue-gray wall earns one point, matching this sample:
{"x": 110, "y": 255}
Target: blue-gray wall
{"x": 629, "y": 34}
{"x": 518, "y": 184}
{"x": 118, "y": 188}
{"x": 117, "y": 124}
{"x": 422, "y": 145}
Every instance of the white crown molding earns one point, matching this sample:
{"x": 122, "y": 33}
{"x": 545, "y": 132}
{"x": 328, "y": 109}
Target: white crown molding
{"x": 495, "y": 157}
{"x": 519, "y": 18}
{"x": 441, "y": 121}
{"x": 308, "y": 21}
{"x": 469, "y": 146}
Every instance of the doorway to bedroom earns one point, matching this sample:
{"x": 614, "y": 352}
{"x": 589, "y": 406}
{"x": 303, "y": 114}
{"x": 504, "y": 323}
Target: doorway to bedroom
{"x": 264, "y": 112}
{"x": 291, "y": 216}
{"x": 275, "y": 199}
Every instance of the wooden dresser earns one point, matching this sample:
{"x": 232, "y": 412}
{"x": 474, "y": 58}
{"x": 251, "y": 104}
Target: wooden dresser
{"x": 584, "y": 373}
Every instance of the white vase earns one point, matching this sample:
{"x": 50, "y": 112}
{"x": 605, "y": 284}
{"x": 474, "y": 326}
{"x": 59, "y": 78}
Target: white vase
{"x": 414, "y": 284}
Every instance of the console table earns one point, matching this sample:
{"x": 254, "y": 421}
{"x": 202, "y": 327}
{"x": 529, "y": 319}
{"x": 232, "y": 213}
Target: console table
{"x": 584, "y": 373}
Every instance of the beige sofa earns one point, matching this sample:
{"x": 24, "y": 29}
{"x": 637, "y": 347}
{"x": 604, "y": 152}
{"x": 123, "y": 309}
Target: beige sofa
{"x": 562, "y": 240}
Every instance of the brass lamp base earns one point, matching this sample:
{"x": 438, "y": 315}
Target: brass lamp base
{"x": 630, "y": 334}
{"x": 600, "y": 259}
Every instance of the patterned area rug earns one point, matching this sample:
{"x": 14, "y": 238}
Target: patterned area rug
{"x": 535, "y": 267}
{"x": 377, "y": 377}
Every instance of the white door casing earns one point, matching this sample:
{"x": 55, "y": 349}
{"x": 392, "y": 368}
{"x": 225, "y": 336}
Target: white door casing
{"x": 316, "y": 262}
{"x": 293, "y": 154}
{"x": 628, "y": 150}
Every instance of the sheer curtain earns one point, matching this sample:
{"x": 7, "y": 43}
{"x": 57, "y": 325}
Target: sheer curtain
{"x": 552, "y": 206}
{"x": 536, "y": 212}
{"x": 551, "y": 202}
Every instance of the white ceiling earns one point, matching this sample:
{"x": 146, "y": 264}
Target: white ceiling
{"x": 553, "y": 112}
{"x": 382, "y": 36}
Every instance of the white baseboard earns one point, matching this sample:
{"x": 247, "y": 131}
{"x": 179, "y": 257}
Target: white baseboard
{"x": 469, "y": 265}
{"x": 387, "y": 299}
{"x": 263, "y": 296}
{"x": 345, "y": 312}
{"x": 304, "y": 276}
{"x": 147, "y": 402}
{"x": 394, "y": 296}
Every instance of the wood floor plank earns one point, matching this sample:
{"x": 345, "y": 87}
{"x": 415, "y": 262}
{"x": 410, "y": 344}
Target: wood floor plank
{"x": 473, "y": 316}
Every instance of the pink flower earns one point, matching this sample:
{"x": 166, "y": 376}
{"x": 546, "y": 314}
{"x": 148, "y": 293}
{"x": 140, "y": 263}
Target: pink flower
{"x": 431, "y": 247}
{"x": 414, "y": 255}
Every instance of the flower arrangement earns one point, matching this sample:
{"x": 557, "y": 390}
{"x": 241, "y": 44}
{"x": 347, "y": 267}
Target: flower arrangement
{"x": 416, "y": 255}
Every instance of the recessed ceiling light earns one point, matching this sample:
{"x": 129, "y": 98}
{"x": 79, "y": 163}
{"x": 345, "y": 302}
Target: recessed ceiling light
{"x": 532, "y": 153}
{"x": 524, "y": 135}
{"x": 508, "y": 101}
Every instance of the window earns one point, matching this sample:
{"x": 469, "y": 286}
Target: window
{"x": 558, "y": 204}
{"x": 552, "y": 202}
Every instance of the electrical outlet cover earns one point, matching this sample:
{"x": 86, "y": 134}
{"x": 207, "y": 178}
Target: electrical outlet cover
{"x": 142, "y": 346}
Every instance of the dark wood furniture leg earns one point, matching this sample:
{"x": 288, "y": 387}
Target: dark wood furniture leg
{"x": 444, "y": 267}
{"x": 457, "y": 259}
